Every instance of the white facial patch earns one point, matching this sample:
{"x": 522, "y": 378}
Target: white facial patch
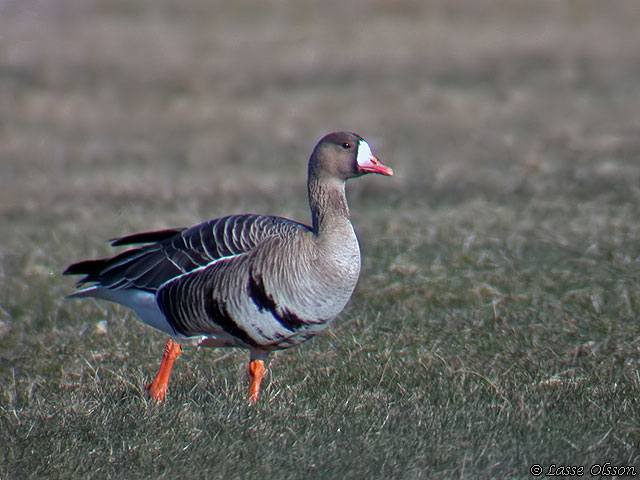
{"x": 364, "y": 154}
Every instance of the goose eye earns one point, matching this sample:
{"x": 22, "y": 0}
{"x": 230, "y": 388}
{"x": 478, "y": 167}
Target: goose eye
{"x": 346, "y": 145}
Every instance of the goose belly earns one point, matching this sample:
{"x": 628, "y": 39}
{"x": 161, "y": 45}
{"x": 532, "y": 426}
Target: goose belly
{"x": 290, "y": 316}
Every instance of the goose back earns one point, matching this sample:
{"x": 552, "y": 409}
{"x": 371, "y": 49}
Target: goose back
{"x": 176, "y": 252}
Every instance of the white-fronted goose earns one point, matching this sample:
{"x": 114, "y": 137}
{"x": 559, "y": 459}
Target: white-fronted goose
{"x": 252, "y": 281}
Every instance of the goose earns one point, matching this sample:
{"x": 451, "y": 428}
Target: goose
{"x": 263, "y": 283}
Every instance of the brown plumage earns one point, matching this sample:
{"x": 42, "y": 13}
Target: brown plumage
{"x": 253, "y": 281}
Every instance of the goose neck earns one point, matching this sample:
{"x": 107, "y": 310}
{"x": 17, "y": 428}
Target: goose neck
{"x": 328, "y": 202}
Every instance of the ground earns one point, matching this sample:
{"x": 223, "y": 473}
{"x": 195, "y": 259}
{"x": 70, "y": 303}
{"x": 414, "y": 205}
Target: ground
{"x": 495, "y": 325}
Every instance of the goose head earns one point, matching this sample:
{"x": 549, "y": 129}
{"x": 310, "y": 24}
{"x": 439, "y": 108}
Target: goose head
{"x": 345, "y": 155}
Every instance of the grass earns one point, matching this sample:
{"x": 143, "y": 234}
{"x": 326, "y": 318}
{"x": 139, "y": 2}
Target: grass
{"x": 495, "y": 325}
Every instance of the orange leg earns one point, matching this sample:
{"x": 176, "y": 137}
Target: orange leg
{"x": 256, "y": 372}
{"x": 158, "y": 388}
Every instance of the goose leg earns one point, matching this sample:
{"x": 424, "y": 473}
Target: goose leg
{"x": 256, "y": 372}
{"x": 158, "y": 388}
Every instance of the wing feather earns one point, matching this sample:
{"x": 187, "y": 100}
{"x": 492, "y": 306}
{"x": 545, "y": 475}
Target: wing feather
{"x": 171, "y": 253}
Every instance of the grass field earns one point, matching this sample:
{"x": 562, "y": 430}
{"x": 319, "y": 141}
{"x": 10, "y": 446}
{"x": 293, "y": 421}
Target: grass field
{"x": 496, "y": 323}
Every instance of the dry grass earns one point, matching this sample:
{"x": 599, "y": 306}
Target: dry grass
{"x": 496, "y": 322}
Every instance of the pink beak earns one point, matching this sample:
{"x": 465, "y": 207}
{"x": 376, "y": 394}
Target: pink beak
{"x": 373, "y": 165}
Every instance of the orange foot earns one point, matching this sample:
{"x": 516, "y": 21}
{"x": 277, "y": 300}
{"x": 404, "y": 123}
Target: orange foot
{"x": 158, "y": 388}
{"x": 256, "y": 372}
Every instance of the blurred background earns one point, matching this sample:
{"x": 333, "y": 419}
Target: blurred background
{"x": 171, "y": 102}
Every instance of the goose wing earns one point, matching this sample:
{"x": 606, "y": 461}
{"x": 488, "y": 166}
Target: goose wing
{"x": 167, "y": 254}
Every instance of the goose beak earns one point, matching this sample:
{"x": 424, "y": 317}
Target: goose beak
{"x": 373, "y": 165}
{"x": 369, "y": 163}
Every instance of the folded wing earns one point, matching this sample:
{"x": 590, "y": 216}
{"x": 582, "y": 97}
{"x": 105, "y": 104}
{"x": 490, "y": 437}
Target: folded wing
{"x": 167, "y": 254}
